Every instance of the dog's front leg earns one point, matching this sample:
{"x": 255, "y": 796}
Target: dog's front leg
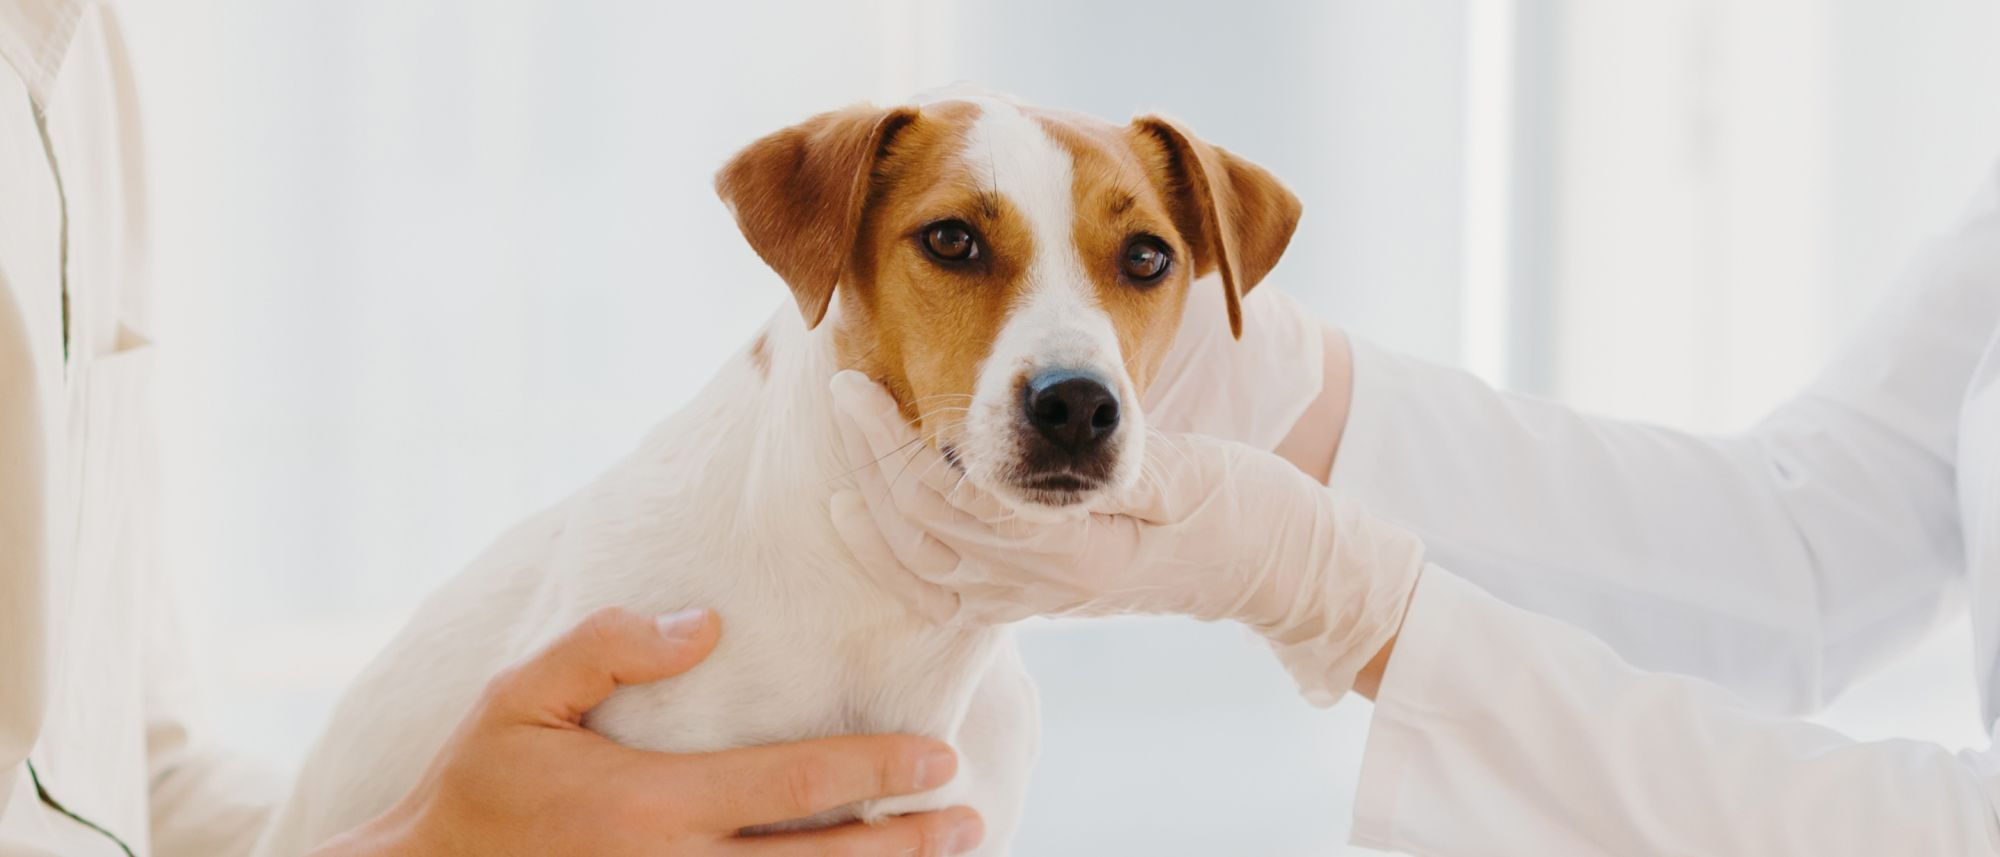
{"x": 997, "y": 742}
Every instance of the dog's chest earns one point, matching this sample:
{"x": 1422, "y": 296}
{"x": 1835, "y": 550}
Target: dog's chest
{"x": 787, "y": 674}
{"x": 811, "y": 645}
{"x": 726, "y": 508}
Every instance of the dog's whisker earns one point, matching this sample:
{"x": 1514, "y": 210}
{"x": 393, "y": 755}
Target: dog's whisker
{"x": 907, "y": 461}
{"x": 878, "y": 460}
{"x": 963, "y": 480}
{"x": 932, "y": 467}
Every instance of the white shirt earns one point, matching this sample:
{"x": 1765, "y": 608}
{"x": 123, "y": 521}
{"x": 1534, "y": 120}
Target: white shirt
{"x": 1772, "y": 568}
{"x": 94, "y": 701}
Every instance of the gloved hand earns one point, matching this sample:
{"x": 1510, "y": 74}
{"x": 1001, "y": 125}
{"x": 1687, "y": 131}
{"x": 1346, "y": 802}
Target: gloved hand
{"x": 1214, "y": 530}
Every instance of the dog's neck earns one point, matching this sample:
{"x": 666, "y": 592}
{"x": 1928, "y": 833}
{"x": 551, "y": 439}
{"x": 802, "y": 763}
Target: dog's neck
{"x": 762, "y": 436}
{"x": 794, "y": 371}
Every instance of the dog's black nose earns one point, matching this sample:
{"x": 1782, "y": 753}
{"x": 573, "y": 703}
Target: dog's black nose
{"x": 1075, "y": 412}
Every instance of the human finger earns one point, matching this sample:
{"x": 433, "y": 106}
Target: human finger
{"x": 609, "y": 648}
{"x": 782, "y": 782}
{"x": 957, "y": 830}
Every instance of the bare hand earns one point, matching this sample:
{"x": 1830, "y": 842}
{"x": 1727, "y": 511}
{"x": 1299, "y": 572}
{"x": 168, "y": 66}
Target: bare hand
{"x": 521, "y": 776}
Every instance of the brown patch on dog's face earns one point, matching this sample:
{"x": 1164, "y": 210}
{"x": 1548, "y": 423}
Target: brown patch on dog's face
{"x": 919, "y": 321}
{"x": 1014, "y": 276}
{"x": 1122, "y": 215}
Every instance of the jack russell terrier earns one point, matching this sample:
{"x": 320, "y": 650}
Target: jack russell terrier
{"x": 1015, "y": 277}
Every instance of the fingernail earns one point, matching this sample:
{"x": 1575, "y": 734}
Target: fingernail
{"x": 935, "y": 769}
{"x": 682, "y": 626}
{"x": 964, "y": 837}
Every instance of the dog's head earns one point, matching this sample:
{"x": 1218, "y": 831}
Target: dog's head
{"x": 1013, "y": 275}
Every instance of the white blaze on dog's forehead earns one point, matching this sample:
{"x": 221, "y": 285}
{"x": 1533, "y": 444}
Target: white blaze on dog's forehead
{"x": 1056, "y": 320}
{"x": 1011, "y": 155}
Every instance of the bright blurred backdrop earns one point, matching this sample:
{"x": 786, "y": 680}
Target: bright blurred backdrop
{"x": 430, "y": 266}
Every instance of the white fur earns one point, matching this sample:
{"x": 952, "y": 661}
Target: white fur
{"x": 1058, "y": 322}
{"x": 725, "y": 506}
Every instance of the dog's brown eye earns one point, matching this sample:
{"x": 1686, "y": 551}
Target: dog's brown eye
{"x": 1145, "y": 259}
{"x": 951, "y": 241}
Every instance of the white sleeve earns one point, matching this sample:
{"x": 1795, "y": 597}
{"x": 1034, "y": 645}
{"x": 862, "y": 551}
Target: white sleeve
{"x": 1783, "y": 562}
{"x": 1500, "y": 732}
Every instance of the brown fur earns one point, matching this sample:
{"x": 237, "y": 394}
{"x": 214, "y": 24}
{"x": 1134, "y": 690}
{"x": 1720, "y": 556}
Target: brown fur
{"x": 798, "y": 196}
{"x": 760, "y": 353}
{"x": 844, "y": 196}
{"x": 918, "y": 327}
{"x": 1238, "y": 216}
{"x": 1118, "y": 197}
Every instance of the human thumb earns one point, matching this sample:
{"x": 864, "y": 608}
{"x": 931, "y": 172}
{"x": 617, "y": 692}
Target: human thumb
{"x": 608, "y": 649}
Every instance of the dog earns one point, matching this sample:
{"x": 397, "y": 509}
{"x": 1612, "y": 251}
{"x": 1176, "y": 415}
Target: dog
{"x": 1014, "y": 276}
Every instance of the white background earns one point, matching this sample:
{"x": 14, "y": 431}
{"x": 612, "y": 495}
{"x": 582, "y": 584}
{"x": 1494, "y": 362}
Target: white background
{"x": 429, "y": 266}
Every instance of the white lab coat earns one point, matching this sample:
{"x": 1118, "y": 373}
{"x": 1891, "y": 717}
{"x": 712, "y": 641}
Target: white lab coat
{"x": 1774, "y": 567}
{"x": 93, "y": 685}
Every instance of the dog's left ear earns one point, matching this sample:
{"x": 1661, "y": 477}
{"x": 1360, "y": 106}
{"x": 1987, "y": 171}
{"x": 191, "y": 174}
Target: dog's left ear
{"x": 798, "y": 194}
{"x": 1237, "y": 216}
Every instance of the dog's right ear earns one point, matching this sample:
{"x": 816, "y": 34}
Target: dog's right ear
{"x": 798, "y": 194}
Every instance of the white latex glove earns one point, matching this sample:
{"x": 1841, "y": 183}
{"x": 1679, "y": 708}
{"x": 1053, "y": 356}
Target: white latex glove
{"x": 1250, "y": 390}
{"x": 1215, "y": 530}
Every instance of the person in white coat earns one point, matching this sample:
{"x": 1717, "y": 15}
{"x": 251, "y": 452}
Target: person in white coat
{"x": 99, "y": 755}
{"x": 1684, "y": 594}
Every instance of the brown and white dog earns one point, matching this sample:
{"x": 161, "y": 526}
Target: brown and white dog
{"x": 1015, "y": 277}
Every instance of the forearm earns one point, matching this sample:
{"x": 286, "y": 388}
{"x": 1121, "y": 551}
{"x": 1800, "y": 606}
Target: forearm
{"x": 1501, "y": 732}
{"x": 1368, "y": 682}
{"x": 1442, "y": 452}
{"x": 1436, "y": 443}
{"x": 1314, "y": 442}
{"x": 1633, "y": 531}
